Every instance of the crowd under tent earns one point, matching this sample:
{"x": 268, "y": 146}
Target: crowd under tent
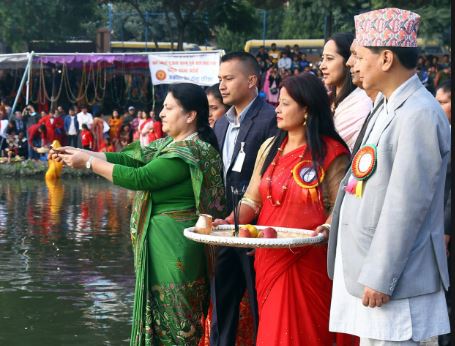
{"x": 100, "y": 80}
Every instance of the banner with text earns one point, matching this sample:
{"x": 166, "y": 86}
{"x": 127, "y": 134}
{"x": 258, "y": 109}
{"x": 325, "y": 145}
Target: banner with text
{"x": 197, "y": 68}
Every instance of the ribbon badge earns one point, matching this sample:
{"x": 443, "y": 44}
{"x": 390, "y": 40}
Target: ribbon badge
{"x": 306, "y": 176}
{"x": 363, "y": 166}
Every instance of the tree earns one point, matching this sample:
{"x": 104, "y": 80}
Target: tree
{"x": 435, "y": 14}
{"x": 234, "y": 24}
{"x": 229, "y": 22}
{"x": 21, "y": 23}
{"x": 230, "y": 41}
{"x": 195, "y": 19}
{"x": 138, "y": 20}
{"x": 321, "y": 18}
{"x": 267, "y": 4}
{"x": 179, "y": 16}
{"x": 303, "y": 19}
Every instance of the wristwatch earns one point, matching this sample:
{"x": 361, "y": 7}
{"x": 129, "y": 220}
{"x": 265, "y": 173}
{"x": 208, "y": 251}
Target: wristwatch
{"x": 88, "y": 164}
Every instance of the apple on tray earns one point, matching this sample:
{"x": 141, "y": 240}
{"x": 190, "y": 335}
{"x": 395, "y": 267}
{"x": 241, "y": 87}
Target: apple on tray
{"x": 244, "y": 232}
{"x": 268, "y": 232}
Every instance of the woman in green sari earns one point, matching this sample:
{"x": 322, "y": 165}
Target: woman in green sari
{"x": 176, "y": 178}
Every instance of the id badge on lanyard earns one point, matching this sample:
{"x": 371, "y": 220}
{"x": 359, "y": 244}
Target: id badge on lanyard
{"x": 240, "y": 159}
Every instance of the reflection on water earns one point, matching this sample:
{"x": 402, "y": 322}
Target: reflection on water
{"x": 66, "y": 268}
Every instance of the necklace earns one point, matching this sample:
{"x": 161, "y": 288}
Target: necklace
{"x": 284, "y": 187}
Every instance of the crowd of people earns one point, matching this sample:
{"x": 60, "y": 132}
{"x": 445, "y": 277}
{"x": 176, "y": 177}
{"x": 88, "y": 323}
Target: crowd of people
{"x": 359, "y": 154}
{"x": 21, "y": 137}
{"x": 277, "y": 64}
{"x": 434, "y": 72}
{"x": 28, "y": 134}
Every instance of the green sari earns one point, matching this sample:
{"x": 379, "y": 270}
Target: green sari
{"x": 176, "y": 181}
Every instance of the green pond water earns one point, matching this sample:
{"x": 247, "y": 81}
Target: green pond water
{"x": 66, "y": 267}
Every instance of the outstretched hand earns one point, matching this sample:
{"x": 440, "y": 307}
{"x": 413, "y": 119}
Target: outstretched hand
{"x": 74, "y": 158}
{"x": 321, "y": 230}
{"x": 218, "y": 222}
{"x": 54, "y": 153}
{"x": 228, "y": 220}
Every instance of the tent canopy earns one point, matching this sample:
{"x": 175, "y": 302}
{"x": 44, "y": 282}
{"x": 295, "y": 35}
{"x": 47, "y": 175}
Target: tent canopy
{"x": 78, "y": 60}
{"x": 13, "y": 61}
{"x": 140, "y": 61}
{"x": 16, "y": 61}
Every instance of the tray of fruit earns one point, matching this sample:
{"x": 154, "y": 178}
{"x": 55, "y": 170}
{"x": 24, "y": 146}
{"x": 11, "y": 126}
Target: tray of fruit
{"x": 250, "y": 236}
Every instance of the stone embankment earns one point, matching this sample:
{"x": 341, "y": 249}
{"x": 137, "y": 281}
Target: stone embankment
{"x": 34, "y": 168}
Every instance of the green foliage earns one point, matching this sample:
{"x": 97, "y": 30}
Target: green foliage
{"x": 436, "y": 16}
{"x": 303, "y": 19}
{"x": 238, "y": 16}
{"x": 131, "y": 19}
{"x": 267, "y": 4}
{"x": 314, "y": 18}
{"x": 274, "y": 22}
{"x": 235, "y": 24}
{"x": 190, "y": 21}
{"x": 436, "y": 23}
{"x": 24, "y": 20}
{"x": 231, "y": 41}
{"x": 227, "y": 22}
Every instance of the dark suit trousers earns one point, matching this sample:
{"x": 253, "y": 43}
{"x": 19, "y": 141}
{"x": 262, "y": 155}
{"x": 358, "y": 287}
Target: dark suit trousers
{"x": 72, "y": 140}
{"x": 233, "y": 273}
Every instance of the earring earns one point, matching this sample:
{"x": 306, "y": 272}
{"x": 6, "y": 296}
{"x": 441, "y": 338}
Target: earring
{"x": 305, "y": 118}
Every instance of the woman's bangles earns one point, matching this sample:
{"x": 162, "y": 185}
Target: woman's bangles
{"x": 252, "y": 204}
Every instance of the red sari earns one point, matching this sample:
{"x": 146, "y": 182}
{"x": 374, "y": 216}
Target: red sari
{"x": 157, "y": 132}
{"x": 244, "y": 329}
{"x": 293, "y": 289}
{"x": 98, "y": 135}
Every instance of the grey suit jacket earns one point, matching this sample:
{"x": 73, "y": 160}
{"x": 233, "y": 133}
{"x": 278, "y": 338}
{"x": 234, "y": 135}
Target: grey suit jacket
{"x": 392, "y": 237}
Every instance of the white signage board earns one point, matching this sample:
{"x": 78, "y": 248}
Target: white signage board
{"x": 181, "y": 67}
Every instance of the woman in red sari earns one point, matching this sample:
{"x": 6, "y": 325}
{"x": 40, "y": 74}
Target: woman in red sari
{"x": 157, "y": 131}
{"x": 294, "y": 184}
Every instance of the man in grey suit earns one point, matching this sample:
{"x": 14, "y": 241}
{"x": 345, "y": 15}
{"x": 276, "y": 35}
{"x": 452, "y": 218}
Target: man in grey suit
{"x": 386, "y": 243}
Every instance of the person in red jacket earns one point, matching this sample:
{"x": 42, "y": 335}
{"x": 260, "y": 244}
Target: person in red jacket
{"x": 86, "y": 138}
{"x": 38, "y": 137}
{"x": 55, "y": 126}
